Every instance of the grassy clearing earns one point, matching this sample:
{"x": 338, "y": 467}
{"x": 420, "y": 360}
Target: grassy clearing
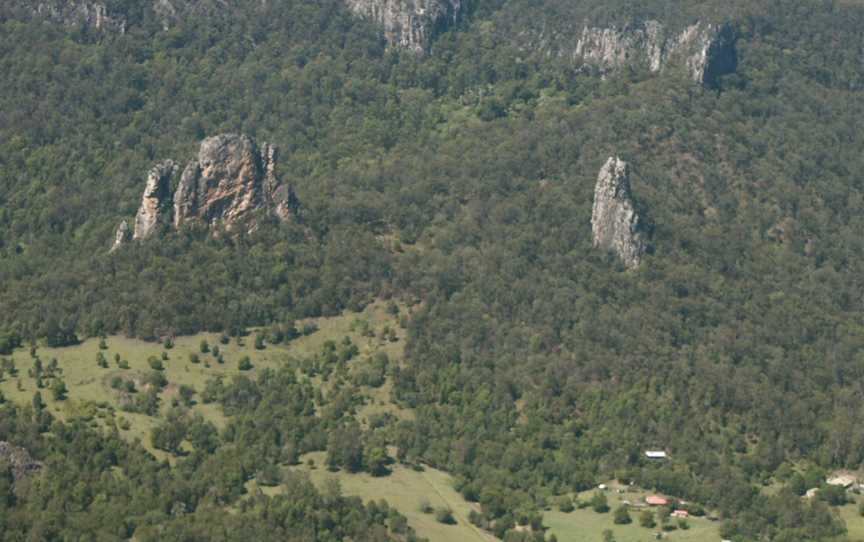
{"x": 854, "y": 521}
{"x": 91, "y": 396}
{"x": 406, "y": 489}
{"x": 585, "y": 525}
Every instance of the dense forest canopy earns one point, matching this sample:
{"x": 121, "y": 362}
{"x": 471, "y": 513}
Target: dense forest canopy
{"x": 534, "y": 363}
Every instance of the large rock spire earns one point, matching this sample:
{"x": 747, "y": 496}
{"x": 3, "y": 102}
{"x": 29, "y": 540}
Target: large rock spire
{"x": 615, "y": 224}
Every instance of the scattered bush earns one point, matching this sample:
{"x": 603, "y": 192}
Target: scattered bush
{"x": 445, "y": 516}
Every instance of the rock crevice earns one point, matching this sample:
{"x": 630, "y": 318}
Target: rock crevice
{"x": 615, "y": 224}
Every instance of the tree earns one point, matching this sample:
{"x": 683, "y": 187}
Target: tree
{"x": 599, "y": 503}
{"x": 376, "y": 459}
{"x": 646, "y": 519}
{"x": 204, "y": 347}
{"x": 608, "y": 536}
{"x": 102, "y": 344}
{"x": 58, "y": 389}
{"x": 259, "y": 342}
{"x": 622, "y": 515}
{"x": 38, "y": 403}
{"x": 168, "y": 436}
{"x": 245, "y": 364}
{"x": 445, "y": 516}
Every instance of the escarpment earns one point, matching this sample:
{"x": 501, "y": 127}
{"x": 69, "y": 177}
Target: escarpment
{"x": 230, "y": 185}
{"x": 615, "y": 224}
{"x": 409, "y": 23}
{"x": 705, "y": 51}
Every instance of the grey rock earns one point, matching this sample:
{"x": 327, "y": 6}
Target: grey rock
{"x": 411, "y": 24}
{"x": 155, "y": 203}
{"x": 231, "y": 184}
{"x": 85, "y": 13}
{"x": 615, "y": 224}
{"x": 706, "y": 51}
{"x": 122, "y": 236}
{"x": 19, "y": 459}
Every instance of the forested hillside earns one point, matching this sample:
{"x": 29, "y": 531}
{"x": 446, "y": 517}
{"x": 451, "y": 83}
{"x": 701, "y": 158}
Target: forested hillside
{"x": 460, "y": 182}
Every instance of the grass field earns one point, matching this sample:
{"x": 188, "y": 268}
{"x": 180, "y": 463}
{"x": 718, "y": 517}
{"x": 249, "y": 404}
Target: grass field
{"x": 585, "y": 525}
{"x": 406, "y": 489}
{"x": 854, "y": 521}
{"x": 91, "y": 397}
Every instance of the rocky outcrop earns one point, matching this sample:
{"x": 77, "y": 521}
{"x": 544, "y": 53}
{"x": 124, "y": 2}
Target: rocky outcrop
{"x": 705, "y": 51}
{"x": 82, "y": 13}
{"x": 19, "y": 460}
{"x": 231, "y": 181}
{"x": 615, "y": 224}
{"x": 122, "y": 235}
{"x": 156, "y": 201}
{"x": 230, "y": 184}
{"x": 409, "y": 23}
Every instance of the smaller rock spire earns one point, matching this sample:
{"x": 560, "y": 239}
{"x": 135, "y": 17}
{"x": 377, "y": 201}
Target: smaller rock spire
{"x": 615, "y": 225}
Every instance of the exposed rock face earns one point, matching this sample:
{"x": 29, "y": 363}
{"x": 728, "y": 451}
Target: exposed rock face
{"x": 409, "y": 23}
{"x": 230, "y": 184}
{"x": 86, "y": 13}
{"x": 705, "y": 51}
{"x": 122, "y": 236}
{"x": 231, "y": 181}
{"x": 155, "y": 203}
{"x": 614, "y": 222}
{"x": 19, "y": 459}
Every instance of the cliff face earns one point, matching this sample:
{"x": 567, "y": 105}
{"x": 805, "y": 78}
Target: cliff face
{"x": 86, "y": 13}
{"x": 230, "y": 184}
{"x": 705, "y": 51}
{"x": 154, "y": 209}
{"x": 409, "y": 23}
{"x": 615, "y": 224}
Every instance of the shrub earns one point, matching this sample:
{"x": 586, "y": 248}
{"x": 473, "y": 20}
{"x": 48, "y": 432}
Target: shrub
{"x": 646, "y": 519}
{"x": 425, "y": 507}
{"x": 155, "y": 363}
{"x": 445, "y": 516}
{"x": 622, "y": 515}
{"x": 599, "y": 503}
{"x": 566, "y": 505}
{"x": 244, "y": 364}
{"x": 193, "y": 358}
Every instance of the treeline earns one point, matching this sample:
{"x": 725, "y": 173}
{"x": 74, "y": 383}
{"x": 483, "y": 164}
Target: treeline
{"x": 535, "y": 365}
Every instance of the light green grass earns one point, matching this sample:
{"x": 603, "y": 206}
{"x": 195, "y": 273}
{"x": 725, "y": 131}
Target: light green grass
{"x": 854, "y": 521}
{"x": 89, "y": 384}
{"x": 406, "y": 489}
{"x": 585, "y": 525}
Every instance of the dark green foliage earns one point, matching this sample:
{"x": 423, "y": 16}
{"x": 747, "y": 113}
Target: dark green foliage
{"x": 532, "y": 361}
{"x": 622, "y": 515}
{"x": 646, "y": 519}
{"x": 833, "y": 495}
{"x": 599, "y": 503}
{"x": 245, "y": 364}
{"x": 59, "y": 390}
{"x": 445, "y": 516}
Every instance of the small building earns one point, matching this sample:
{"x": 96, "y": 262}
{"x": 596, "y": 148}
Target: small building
{"x": 843, "y": 480}
{"x": 656, "y": 500}
{"x": 602, "y": 487}
{"x": 683, "y": 514}
{"x": 811, "y": 492}
{"x": 656, "y": 454}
